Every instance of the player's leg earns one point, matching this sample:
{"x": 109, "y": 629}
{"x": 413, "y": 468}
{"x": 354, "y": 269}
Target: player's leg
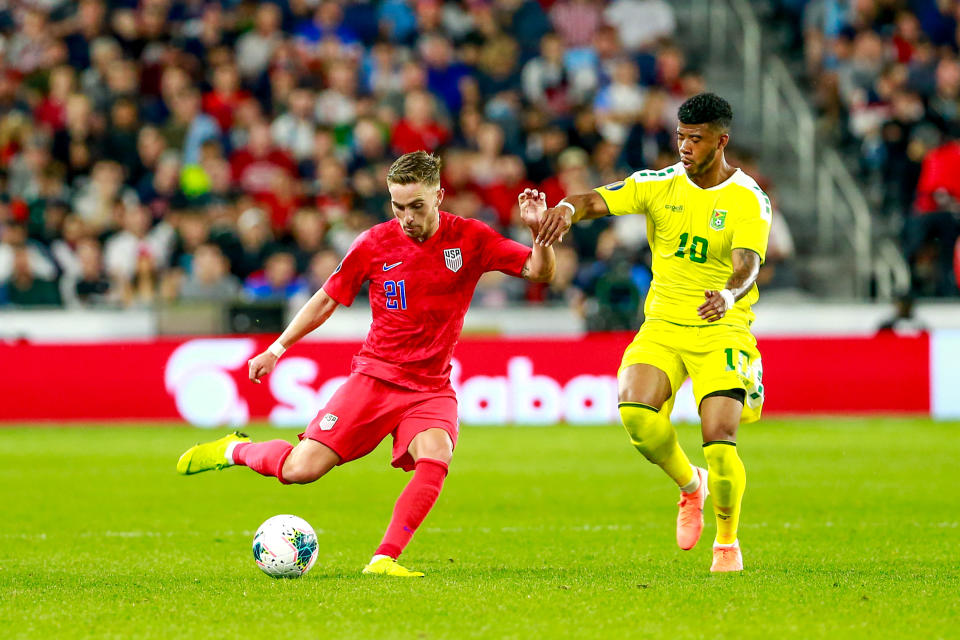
{"x": 720, "y": 416}
{"x": 643, "y": 391}
{"x": 431, "y": 451}
{"x": 276, "y": 458}
{"x": 423, "y": 443}
{"x": 727, "y": 382}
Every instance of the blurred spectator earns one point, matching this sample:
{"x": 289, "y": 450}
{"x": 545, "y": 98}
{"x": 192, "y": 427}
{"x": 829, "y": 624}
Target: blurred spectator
{"x": 576, "y": 20}
{"x": 225, "y": 95}
{"x": 418, "y": 129}
{"x": 278, "y": 281}
{"x": 545, "y": 78}
{"x": 648, "y": 136}
{"x": 936, "y": 216}
{"x": 24, "y": 288}
{"x": 256, "y": 165}
{"x": 188, "y": 127}
{"x": 120, "y": 144}
{"x": 641, "y": 23}
{"x": 618, "y": 104}
{"x": 255, "y": 47}
{"x": 255, "y": 243}
{"x": 321, "y": 267}
{"x": 210, "y": 279}
{"x": 89, "y": 285}
{"x": 15, "y": 246}
{"x": 308, "y": 229}
{"x": 295, "y": 129}
{"x": 124, "y": 251}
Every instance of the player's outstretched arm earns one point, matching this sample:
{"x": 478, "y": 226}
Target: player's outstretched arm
{"x": 311, "y": 315}
{"x": 746, "y": 267}
{"x": 556, "y": 221}
{"x": 542, "y": 263}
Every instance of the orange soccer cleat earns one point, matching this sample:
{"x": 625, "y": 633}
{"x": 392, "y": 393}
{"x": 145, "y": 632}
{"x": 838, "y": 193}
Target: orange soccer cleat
{"x": 727, "y": 557}
{"x": 690, "y": 517}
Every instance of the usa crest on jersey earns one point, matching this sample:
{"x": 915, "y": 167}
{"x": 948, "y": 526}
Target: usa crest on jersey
{"x": 453, "y": 258}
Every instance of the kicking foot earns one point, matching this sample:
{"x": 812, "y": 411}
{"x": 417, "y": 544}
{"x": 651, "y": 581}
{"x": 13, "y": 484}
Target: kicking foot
{"x": 209, "y": 455}
{"x": 690, "y": 517}
{"x": 727, "y": 557}
{"x": 387, "y": 566}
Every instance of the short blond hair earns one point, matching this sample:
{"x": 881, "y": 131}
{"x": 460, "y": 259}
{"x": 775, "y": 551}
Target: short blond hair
{"x": 418, "y": 167}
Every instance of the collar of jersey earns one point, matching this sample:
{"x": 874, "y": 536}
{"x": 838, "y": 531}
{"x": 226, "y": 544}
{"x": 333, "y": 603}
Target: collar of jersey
{"x": 714, "y": 187}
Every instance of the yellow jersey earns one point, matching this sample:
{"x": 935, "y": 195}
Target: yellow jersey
{"x": 692, "y": 233}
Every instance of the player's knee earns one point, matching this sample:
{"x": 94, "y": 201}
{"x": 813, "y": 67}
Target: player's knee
{"x": 441, "y": 451}
{"x": 295, "y": 472}
{"x": 649, "y": 431}
{"x": 302, "y": 470}
{"x": 434, "y": 444}
{"x": 720, "y": 431}
{"x": 641, "y": 396}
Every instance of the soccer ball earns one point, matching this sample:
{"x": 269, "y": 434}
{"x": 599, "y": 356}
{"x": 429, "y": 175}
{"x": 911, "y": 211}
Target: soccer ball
{"x": 285, "y": 547}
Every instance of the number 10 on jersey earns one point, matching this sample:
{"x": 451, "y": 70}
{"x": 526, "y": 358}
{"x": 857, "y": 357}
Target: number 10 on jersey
{"x": 396, "y": 293}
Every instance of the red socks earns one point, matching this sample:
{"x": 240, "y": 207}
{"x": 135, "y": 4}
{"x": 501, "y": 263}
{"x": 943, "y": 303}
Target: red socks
{"x": 413, "y": 505}
{"x": 266, "y": 458}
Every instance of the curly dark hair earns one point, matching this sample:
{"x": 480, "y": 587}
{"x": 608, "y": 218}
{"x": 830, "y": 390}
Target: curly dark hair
{"x": 706, "y": 108}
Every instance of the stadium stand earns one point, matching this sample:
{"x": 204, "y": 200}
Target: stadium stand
{"x": 156, "y": 151}
{"x": 884, "y": 76}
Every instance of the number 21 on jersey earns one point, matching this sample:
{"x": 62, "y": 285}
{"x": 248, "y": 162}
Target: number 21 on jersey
{"x": 396, "y": 292}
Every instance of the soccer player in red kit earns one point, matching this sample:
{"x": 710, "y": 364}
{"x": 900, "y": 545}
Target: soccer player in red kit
{"x": 423, "y": 267}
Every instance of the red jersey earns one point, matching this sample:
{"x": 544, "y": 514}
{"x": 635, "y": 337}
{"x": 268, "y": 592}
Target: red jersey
{"x": 419, "y": 293}
{"x": 940, "y": 171}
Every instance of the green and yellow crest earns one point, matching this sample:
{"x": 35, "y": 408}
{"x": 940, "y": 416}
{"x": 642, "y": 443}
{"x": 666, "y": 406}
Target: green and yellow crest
{"x": 718, "y": 219}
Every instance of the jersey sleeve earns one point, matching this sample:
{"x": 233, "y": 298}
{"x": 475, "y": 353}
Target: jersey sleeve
{"x": 345, "y": 282}
{"x": 625, "y": 197}
{"x": 499, "y": 253}
{"x": 752, "y": 225}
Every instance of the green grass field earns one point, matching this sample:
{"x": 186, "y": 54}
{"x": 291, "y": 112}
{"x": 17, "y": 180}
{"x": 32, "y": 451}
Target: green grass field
{"x": 850, "y": 529}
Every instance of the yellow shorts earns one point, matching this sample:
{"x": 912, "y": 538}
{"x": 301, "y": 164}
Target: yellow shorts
{"x": 716, "y": 357}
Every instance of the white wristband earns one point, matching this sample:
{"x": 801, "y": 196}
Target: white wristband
{"x": 276, "y": 349}
{"x": 564, "y": 203}
{"x": 727, "y": 296}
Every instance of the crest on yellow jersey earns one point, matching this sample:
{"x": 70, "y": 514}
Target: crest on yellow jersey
{"x": 718, "y": 219}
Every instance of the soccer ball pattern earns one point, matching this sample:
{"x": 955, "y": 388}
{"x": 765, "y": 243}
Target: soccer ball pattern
{"x": 285, "y": 546}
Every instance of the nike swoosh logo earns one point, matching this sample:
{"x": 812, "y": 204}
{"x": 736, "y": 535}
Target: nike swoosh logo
{"x": 387, "y": 267}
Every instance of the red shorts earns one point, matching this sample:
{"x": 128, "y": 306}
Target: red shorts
{"x": 364, "y": 410}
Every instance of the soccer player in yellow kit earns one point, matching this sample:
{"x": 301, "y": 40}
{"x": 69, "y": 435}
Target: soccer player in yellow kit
{"x": 707, "y": 225}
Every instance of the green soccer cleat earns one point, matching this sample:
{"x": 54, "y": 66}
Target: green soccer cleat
{"x": 209, "y": 456}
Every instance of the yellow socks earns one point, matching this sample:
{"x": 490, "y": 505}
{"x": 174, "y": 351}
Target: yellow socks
{"x": 726, "y": 481}
{"x": 652, "y": 434}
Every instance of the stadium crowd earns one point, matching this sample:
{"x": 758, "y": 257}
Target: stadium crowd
{"x": 158, "y": 150}
{"x": 885, "y": 76}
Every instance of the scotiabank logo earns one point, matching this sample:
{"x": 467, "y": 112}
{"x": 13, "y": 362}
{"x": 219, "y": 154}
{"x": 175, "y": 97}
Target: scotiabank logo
{"x": 523, "y": 397}
{"x": 198, "y": 375}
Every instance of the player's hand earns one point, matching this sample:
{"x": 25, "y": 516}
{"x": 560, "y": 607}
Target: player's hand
{"x": 261, "y": 366}
{"x": 713, "y": 308}
{"x": 532, "y": 205}
{"x": 554, "y": 222}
